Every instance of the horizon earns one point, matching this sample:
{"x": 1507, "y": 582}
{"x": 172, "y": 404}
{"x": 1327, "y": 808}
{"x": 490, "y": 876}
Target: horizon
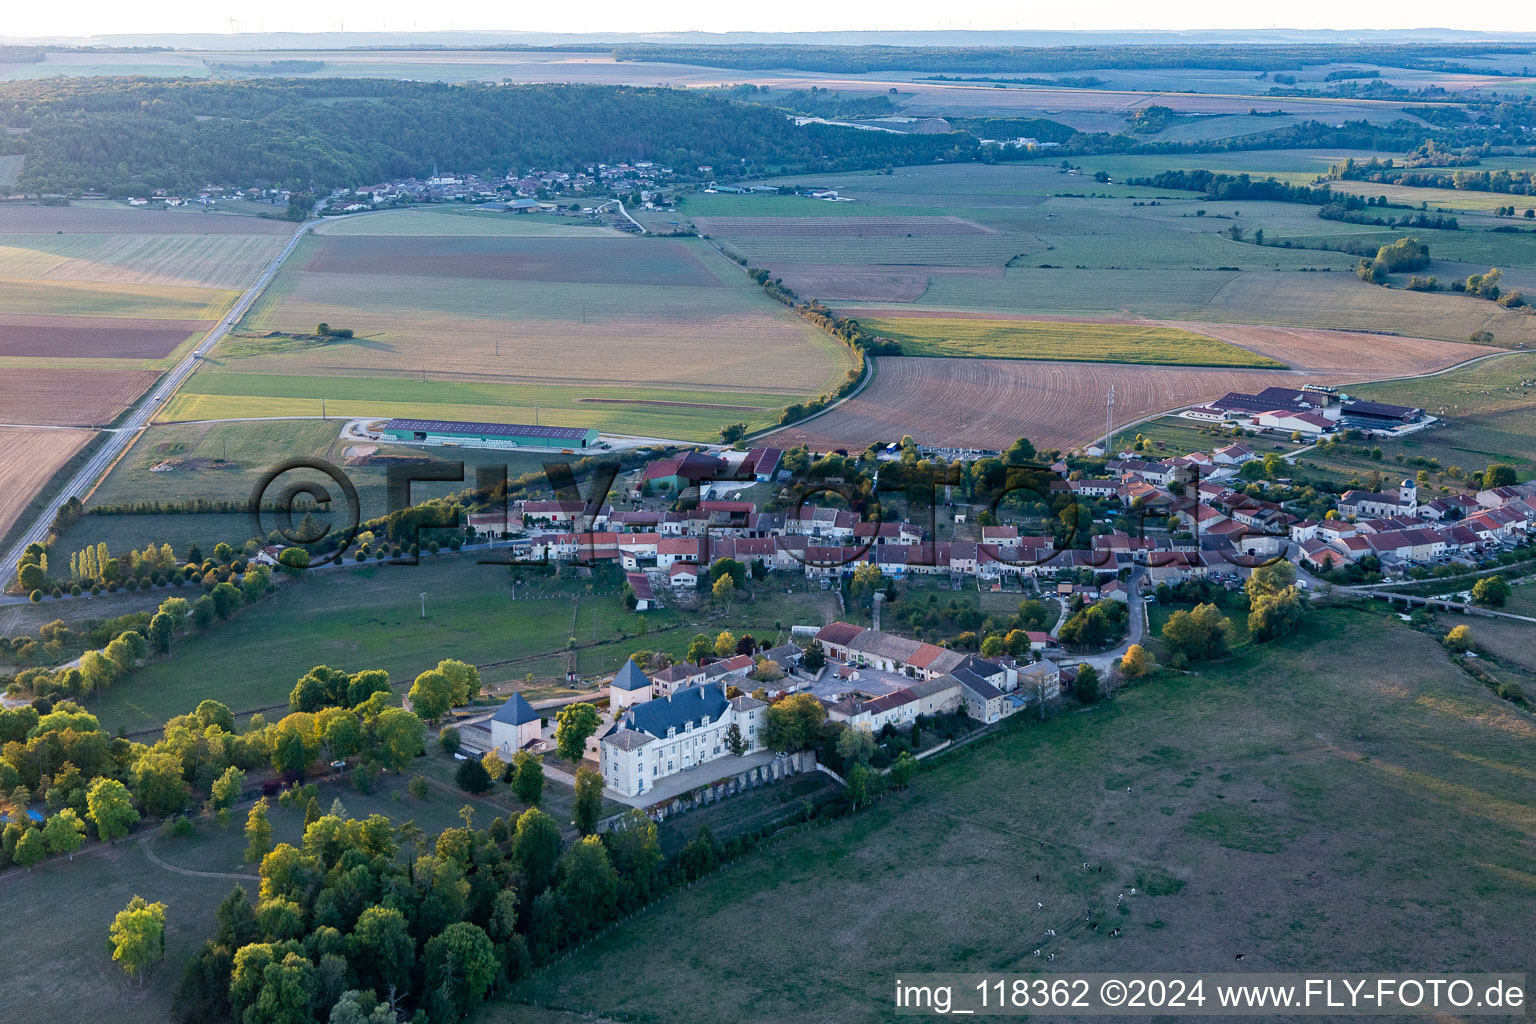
{"x": 694, "y": 18}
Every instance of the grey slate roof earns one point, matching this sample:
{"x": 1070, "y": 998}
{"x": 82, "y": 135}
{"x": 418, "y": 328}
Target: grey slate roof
{"x": 627, "y": 739}
{"x": 516, "y": 711}
{"x": 697, "y": 704}
{"x": 630, "y": 678}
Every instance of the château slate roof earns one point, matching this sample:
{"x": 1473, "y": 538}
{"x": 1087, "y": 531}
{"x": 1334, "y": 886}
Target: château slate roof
{"x": 516, "y": 711}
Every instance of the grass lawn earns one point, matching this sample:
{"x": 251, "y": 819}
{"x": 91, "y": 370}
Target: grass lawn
{"x": 370, "y": 617}
{"x": 1085, "y": 342}
{"x": 1261, "y": 806}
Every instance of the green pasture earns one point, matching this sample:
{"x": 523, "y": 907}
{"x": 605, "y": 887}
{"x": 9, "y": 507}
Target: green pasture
{"x": 1354, "y": 756}
{"x": 1078, "y": 342}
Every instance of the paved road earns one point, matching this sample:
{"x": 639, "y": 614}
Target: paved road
{"x": 119, "y": 438}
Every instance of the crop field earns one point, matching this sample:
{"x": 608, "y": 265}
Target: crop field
{"x": 31, "y": 458}
{"x": 659, "y": 337}
{"x": 1361, "y": 355}
{"x": 68, "y": 398}
{"x": 1255, "y": 809}
{"x": 999, "y": 338}
{"x": 1437, "y": 198}
{"x": 84, "y": 337}
{"x": 1062, "y": 244}
{"x": 990, "y": 403}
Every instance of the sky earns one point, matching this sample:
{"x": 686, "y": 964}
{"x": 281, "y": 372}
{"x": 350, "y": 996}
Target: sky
{"x": 97, "y": 17}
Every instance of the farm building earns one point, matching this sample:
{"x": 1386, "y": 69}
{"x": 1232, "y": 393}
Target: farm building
{"x": 515, "y": 725}
{"x": 489, "y": 435}
{"x": 1379, "y": 414}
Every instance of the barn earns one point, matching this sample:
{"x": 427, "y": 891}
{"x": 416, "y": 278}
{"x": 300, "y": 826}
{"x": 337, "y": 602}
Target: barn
{"x": 488, "y": 435}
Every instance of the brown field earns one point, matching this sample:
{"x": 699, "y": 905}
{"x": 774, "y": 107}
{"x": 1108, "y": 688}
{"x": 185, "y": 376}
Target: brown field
{"x": 69, "y": 398}
{"x": 595, "y": 260}
{"x": 990, "y": 403}
{"x": 72, "y": 337}
{"x": 1357, "y": 353}
{"x": 871, "y": 282}
{"x": 117, "y": 220}
{"x": 840, "y": 227}
{"x": 32, "y": 456}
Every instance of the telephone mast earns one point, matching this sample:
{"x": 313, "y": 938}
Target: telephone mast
{"x": 1109, "y": 419}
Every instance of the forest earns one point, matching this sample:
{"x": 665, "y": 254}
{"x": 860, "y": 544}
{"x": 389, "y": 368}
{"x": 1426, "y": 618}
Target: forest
{"x": 131, "y": 135}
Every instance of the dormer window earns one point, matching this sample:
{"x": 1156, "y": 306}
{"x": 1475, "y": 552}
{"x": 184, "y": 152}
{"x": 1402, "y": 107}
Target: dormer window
{"x": 671, "y": 731}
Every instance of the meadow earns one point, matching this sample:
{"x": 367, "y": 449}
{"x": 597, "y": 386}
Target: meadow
{"x": 510, "y": 625}
{"x": 1086, "y": 342}
{"x": 1257, "y": 807}
{"x": 658, "y": 337}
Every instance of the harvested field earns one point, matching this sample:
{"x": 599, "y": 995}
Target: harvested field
{"x": 185, "y": 261}
{"x": 871, "y": 282}
{"x": 596, "y": 260}
{"x": 1006, "y": 338}
{"x": 32, "y": 456}
{"x": 68, "y": 398}
{"x": 1370, "y": 356}
{"x": 114, "y": 219}
{"x": 74, "y": 337}
{"x": 990, "y": 403}
{"x": 819, "y": 227}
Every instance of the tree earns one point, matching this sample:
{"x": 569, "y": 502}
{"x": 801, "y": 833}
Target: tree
{"x": 258, "y": 833}
{"x": 1020, "y": 452}
{"x": 588, "y": 885}
{"x": 431, "y": 695}
{"x": 699, "y": 648}
{"x": 1270, "y": 579}
{"x": 536, "y": 848}
{"x": 634, "y": 851}
{"x": 589, "y": 800}
{"x": 1459, "y": 640}
{"x": 793, "y": 723}
{"x": 994, "y": 646}
{"x": 382, "y": 949}
{"x": 1136, "y": 662}
{"x": 815, "y": 657}
{"x": 903, "y": 770}
{"x": 463, "y": 679}
{"x": 460, "y": 966}
{"x": 64, "y": 832}
{"x": 1198, "y": 635}
{"x": 1272, "y": 616}
{"x": 161, "y": 628}
{"x": 471, "y": 776}
{"x": 398, "y": 737}
{"x": 1086, "y": 689}
{"x": 855, "y": 746}
{"x": 138, "y": 937}
{"x": 866, "y": 581}
{"x": 733, "y": 432}
{"x": 735, "y": 742}
{"x": 576, "y": 722}
{"x": 30, "y": 849}
{"x": 527, "y": 777}
{"x": 723, "y": 590}
{"x": 725, "y": 644}
{"x": 158, "y": 784}
{"x": 495, "y": 767}
{"x": 1499, "y": 474}
{"x": 857, "y": 789}
{"x": 111, "y": 809}
{"x": 1491, "y": 592}
{"x": 226, "y": 600}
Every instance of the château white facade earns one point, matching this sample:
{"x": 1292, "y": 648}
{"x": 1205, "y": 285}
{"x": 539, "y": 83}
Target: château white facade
{"x": 659, "y": 738}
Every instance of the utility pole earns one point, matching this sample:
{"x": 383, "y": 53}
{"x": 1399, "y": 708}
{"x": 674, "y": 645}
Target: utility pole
{"x": 322, "y": 409}
{"x": 423, "y": 605}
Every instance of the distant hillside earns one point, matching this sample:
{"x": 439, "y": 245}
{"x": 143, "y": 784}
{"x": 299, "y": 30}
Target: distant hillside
{"x": 124, "y": 135}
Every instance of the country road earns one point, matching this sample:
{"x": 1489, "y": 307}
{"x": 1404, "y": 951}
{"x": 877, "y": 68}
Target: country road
{"x": 120, "y": 437}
